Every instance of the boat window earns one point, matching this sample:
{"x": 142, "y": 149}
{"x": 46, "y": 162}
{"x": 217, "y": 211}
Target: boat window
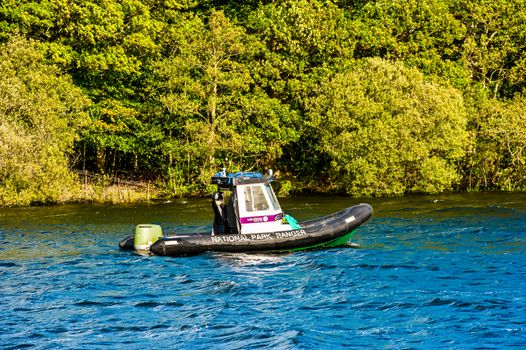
{"x": 272, "y": 197}
{"x": 255, "y": 198}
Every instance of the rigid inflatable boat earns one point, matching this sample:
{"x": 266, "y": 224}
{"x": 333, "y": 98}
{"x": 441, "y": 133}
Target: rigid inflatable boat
{"x": 248, "y": 218}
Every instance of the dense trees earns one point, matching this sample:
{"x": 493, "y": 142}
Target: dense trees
{"x": 364, "y": 97}
{"x": 498, "y": 159}
{"x": 41, "y": 114}
{"x": 386, "y": 130}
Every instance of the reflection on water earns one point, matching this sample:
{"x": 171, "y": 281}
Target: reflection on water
{"x": 248, "y": 259}
{"x": 432, "y": 272}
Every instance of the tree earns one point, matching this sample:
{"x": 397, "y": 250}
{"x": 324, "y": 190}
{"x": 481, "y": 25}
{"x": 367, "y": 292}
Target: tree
{"x": 494, "y": 46}
{"x": 107, "y": 46}
{"x": 498, "y": 160}
{"x": 424, "y": 34}
{"x": 386, "y": 130}
{"x": 202, "y": 83}
{"x": 304, "y": 40}
{"x": 40, "y": 114}
{"x": 214, "y": 115}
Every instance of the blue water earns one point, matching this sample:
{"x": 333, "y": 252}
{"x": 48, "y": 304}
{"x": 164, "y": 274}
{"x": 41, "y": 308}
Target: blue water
{"x": 432, "y": 272}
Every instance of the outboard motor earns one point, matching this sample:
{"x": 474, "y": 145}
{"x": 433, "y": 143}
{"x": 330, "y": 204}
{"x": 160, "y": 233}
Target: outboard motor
{"x": 145, "y": 236}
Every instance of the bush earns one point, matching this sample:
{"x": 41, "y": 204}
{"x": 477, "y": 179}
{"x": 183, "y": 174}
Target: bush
{"x": 40, "y": 112}
{"x": 386, "y": 130}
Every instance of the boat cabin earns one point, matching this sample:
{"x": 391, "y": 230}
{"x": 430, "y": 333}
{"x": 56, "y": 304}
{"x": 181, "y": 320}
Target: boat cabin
{"x": 249, "y": 206}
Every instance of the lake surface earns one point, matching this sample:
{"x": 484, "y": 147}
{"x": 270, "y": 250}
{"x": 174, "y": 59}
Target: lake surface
{"x": 445, "y": 271}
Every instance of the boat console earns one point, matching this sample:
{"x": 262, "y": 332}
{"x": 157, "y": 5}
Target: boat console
{"x": 251, "y": 206}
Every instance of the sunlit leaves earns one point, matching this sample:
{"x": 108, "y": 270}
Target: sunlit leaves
{"x": 367, "y": 97}
{"x": 40, "y": 116}
{"x": 494, "y": 48}
{"x": 302, "y": 38}
{"x": 499, "y": 159}
{"x": 388, "y": 131}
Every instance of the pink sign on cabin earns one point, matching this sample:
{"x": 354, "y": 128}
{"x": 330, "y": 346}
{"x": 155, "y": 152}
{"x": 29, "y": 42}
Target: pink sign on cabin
{"x": 260, "y": 219}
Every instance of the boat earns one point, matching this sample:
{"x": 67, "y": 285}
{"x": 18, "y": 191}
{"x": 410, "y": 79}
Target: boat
{"x": 249, "y": 218}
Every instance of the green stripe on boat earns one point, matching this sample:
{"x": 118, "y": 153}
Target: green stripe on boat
{"x": 331, "y": 244}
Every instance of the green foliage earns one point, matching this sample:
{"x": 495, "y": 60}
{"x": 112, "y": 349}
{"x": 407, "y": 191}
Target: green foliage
{"x": 303, "y": 40}
{"x": 40, "y": 113}
{"x": 201, "y": 85}
{"x": 494, "y": 47}
{"x": 364, "y": 97}
{"x": 388, "y": 131}
{"x": 458, "y": 40}
{"x": 499, "y": 159}
{"x": 424, "y": 34}
{"x": 212, "y": 115}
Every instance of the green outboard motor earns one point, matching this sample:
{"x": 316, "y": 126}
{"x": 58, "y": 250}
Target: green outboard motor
{"x": 145, "y": 236}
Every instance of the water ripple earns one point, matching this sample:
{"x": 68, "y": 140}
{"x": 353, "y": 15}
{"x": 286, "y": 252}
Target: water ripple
{"x": 444, "y": 274}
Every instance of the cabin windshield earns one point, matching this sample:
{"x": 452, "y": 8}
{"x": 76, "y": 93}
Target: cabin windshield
{"x": 260, "y": 198}
{"x": 272, "y": 197}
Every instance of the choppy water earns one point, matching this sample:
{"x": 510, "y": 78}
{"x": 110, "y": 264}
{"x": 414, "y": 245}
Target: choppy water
{"x": 433, "y": 272}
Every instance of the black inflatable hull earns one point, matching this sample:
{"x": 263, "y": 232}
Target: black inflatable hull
{"x": 328, "y": 231}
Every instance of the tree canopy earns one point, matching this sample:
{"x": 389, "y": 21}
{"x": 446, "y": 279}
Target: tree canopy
{"x": 41, "y": 113}
{"x": 369, "y": 98}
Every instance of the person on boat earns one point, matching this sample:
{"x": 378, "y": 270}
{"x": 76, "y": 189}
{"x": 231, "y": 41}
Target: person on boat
{"x": 219, "y": 213}
{"x": 225, "y": 218}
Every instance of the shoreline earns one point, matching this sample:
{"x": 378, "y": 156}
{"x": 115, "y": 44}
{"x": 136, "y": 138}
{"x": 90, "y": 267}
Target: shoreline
{"x": 118, "y": 194}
